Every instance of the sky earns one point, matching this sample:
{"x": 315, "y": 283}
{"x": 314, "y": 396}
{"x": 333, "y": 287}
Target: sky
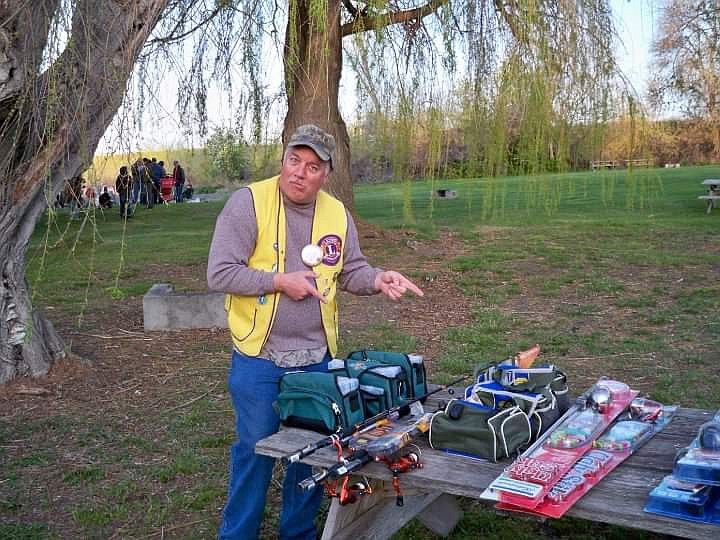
{"x": 634, "y": 22}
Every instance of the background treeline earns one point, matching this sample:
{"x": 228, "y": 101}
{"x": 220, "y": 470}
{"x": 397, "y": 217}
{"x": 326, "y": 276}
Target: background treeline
{"x": 440, "y": 148}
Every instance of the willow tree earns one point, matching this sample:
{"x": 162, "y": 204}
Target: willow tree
{"x": 65, "y": 66}
{"x": 314, "y": 61}
{"x": 555, "y": 52}
{"x": 54, "y": 107}
{"x": 525, "y": 74}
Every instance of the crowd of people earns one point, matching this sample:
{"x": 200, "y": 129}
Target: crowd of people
{"x": 145, "y": 182}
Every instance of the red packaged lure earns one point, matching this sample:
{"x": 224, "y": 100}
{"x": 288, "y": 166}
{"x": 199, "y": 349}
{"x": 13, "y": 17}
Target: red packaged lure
{"x": 527, "y": 481}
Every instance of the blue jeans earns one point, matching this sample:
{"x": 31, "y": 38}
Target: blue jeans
{"x": 178, "y": 193}
{"x": 135, "y": 192}
{"x": 253, "y": 384}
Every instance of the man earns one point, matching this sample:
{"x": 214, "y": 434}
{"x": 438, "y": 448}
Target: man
{"x": 148, "y": 184}
{"x": 124, "y": 186}
{"x": 157, "y": 171}
{"x": 138, "y": 171}
{"x": 281, "y": 313}
{"x": 105, "y": 200}
{"x": 179, "y": 176}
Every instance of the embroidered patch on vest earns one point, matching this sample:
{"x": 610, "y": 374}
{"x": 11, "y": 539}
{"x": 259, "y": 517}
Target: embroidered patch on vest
{"x": 332, "y": 249}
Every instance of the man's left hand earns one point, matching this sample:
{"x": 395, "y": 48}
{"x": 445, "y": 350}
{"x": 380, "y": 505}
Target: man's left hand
{"x": 393, "y": 284}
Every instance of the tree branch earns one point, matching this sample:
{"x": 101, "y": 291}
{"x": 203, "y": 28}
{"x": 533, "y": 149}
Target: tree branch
{"x": 351, "y": 8}
{"x": 172, "y": 38}
{"x": 364, "y": 22}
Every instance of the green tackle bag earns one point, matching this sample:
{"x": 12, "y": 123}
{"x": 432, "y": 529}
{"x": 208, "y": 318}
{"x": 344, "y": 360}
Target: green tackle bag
{"x": 475, "y": 430}
{"x": 323, "y": 402}
{"x": 382, "y": 385}
{"x": 412, "y": 365}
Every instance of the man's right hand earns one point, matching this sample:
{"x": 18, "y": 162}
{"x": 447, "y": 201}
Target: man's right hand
{"x": 297, "y": 285}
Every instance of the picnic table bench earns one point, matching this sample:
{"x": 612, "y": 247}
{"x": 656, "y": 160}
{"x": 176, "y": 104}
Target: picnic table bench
{"x": 713, "y": 192}
{"x": 430, "y": 492}
{"x": 603, "y": 164}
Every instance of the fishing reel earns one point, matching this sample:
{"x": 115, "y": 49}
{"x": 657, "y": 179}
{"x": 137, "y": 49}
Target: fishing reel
{"x": 399, "y": 465}
{"x": 349, "y": 494}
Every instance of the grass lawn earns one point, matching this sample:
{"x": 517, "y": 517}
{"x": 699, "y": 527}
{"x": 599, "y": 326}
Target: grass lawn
{"x": 613, "y": 273}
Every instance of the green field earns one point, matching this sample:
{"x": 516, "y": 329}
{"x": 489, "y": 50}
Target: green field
{"x": 614, "y": 273}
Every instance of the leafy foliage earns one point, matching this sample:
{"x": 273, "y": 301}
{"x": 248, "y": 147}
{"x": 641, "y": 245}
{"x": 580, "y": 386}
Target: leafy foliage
{"x": 227, "y": 154}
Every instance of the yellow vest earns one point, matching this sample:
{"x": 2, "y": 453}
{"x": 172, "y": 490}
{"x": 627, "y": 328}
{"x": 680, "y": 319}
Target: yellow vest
{"x": 250, "y": 318}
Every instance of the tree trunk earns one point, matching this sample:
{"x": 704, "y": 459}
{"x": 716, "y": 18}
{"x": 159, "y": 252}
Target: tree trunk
{"x": 28, "y": 341}
{"x": 51, "y": 120}
{"x": 313, "y": 65}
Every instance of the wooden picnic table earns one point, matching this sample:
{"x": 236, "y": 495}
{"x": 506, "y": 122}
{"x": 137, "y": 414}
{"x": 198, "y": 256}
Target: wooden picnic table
{"x": 430, "y": 492}
{"x": 713, "y": 192}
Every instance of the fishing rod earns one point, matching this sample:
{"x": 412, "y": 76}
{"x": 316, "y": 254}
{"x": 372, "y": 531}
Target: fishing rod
{"x": 343, "y": 436}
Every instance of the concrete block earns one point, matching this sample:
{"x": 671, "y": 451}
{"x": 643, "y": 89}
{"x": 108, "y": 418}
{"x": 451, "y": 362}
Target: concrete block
{"x": 163, "y": 309}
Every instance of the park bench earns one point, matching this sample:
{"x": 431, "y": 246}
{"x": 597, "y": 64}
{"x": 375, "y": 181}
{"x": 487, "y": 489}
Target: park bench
{"x": 713, "y": 193}
{"x": 635, "y": 163}
{"x": 430, "y": 492}
{"x": 628, "y": 163}
{"x": 602, "y": 164}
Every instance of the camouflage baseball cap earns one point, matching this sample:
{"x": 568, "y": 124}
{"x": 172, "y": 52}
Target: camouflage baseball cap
{"x": 322, "y": 143}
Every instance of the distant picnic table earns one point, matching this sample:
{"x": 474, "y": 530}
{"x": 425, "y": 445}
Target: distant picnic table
{"x": 713, "y": 192}
{"x": 617, "y": 164}
{"x": 430, "y": 492}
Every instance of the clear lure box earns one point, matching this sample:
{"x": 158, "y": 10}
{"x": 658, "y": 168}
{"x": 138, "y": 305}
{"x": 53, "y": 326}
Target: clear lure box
{"x": 700, "y": 461}
{"x": 685, "y": 500}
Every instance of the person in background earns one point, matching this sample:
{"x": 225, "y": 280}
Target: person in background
{"x": 179, "y": 176}
{"x": 105, "y": 200}
{"x": 148, "y": 182}
{"x": 138, "y": 171}
{"x": 189, "y": 191}
{"x": 123, "y": 185}
{"x": 282, "y": 313}
{"x": 163, "y": 173}
{"x": 90, "y": 196}
{"x": 157, "y": 171}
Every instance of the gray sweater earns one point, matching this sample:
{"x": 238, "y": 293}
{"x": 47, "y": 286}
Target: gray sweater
{"x": 297, "y": 326}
